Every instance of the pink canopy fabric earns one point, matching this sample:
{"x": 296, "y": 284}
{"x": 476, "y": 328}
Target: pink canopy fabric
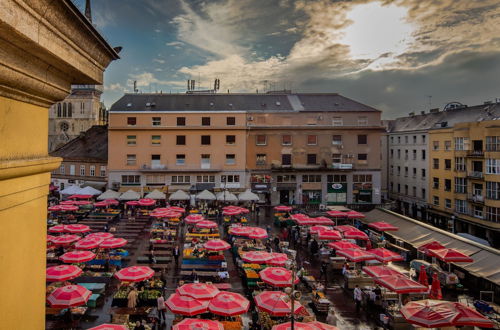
{"x": 384, "y": 255}
{"x": 69, "y": 296}
{"x": 258, "y": 233}
{"x": 57, "y": 229}
{"x": 422, "y": 276}
{"x": 77, "y": 256}
{"x": 79, "y": 196}
{"x": 296, "y": 326}
{"x": 113, "y": 243}
{"x": 206, "y": 224}
{"x": 65, "y": 239}
{"x": 322, "y": 326}
{"x": 108, "y": 326}
{"x": 470, "y": 317}
{"x": 68, "y": 208}
{"x": 176, "y": 209}
{"x": 194, "y": 218}
{"x": 77, "y": 228}
{"x": 257, "y": 257}
{"x": 323, "y": 221}
{"x": 318, "y": 228}
{"x": 450, "y": 255}
{"x": 331, "y": 235}
{"x": 355, "y": 215}
{"x": 134, "y": 274}
{"x": 88, "y": 243}
{"x": 435, "y": 292}
{"x": 276, "y": 303}
{"x": 336, "y": 214}
{"x": 400, "y": 284}
{"x": 340, "y": 245}
{"x": 185, "y": 305}
{"x": 198, "y": 324}
{"x": 355, "y": 234}
{"x": 231, "y": 212}
{"x": 216, "y": 245}
{"x": 355, "y": 255}
{"x": 229, "y": 304}
{"x": 240, "y": 231}
{"x": 198, "y": 290}
{"x": 102, "y": 235}
{"x": 427, "y": 247}
{"x": 62, "y": 273}
{"x": 277, "y": 259}
{"x": 277, "y": 276}
{"x": 344, "y": 228}
{"x": 382, "y": 226}
{"x": 132, "y": 203}
{"x": 380, "y": 271}
{"x": 146, "y": 202}
{"x": 282, "y": 208}
{"x": 429, "y": 313}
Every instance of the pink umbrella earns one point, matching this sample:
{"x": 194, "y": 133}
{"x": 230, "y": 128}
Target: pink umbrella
{"x": 231, "y": 212}
{"x": 146, "y": 202}
{"x": 435, "y": 292}
{"x": 198, "y": 290}
{"x": 282, "y": 208}
{"x": 206, "y": 224}
{"x": 134, "y": 274}
{"x": 317, "y": 229}
{"x": 88, "y": 243}
{"x": 229, "y": 304}
{"x": 57, "y": 229}
{"x": 171, "y": 215}
{"x": 296, "y": 326}
{"x": 256, "y": 257}
{"x": 79, "y": 196}
{"x": 66, "y": 202}
{"x": 331, "y": 235}
{"x": 276, "y": 303}
{"x": 132, "y": 203}
{"x": 384, "y": 255}
{"x": 323, "y": 221}
{"x": 176, "y": 209}
{"x": 382, "y": 226}
{"x": 194, "y": 218}
{"x": 81, "y": 202}
{"x": 470, "y": 317}
{"x": 113, "y": 243}
{"x": 277, "y": 259}
{"x": 111, "y": 201}
{"x": 244, "y": 210}
{"x": 101, "y": 235}
{"x": 185, "y": 305}
{"x": 277, "y": 276}
{"x": 450, "y": 255}
{"x": 344, "y": 228}
{"x": 68, "y": 208}
{"x": 198, "y": 324}
{"x": 355, "y": 255}
{"x": 101, "y": 204}
{"x": 422, "y": 276}
{"x": 62, "y": 273}
{"x": 216, "y": 245}
{"x": 107, "y": 326}
{"x": 355, "y": 215}
{"x": 322, "y": 326}
{"x": 379, "y": 271}
{"x": 77, "y": 228}
{"x": 427, "y": 247}
{"x": 69, "y": 296}
{"x": 65, "y": 239}
{"x": 305, "y": 221}
{"x": 343, "y": 245}
{"x": 258, "y": 233}
{"x": 355, "y": 234}
{"x": 336, "y": 214}
{"x": 240, "y": 231}
{"x": 429, "y": 313}
{"x": 77, "y": 256}
{"x": 50, "y": 238}
{"x": 299, "y": 216}
{"x": 54, "y": 208}
{"x": 400, "y": 284}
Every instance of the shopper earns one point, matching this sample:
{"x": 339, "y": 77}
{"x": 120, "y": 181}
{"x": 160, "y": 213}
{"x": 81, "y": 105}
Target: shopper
{"x": 358, "y": 297}
{"x": 161, "y": 308}
{"x": 176, "y": 253}
{"x": 132, "y": 298}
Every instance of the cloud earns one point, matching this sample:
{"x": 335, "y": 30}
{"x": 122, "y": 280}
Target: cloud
{"x": 114, "y": 87}
{"x": 157, "y": 30}
{"x": 147, "y": 79}
{"x": 175, "y": 43}
{"x": 159, "y": 60}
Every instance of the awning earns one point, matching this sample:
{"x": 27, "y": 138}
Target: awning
{"x": 248, "y": 196}
{"x": 155, "y": 194}
{"x": 179, "y": 195}
{"x": 130, "y": 195}
{"x": 109, "y": 194}
{"x": 226, "y": 196}
{"x": 206, "y": 195}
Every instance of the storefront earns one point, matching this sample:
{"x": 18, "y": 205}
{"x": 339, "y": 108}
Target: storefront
{"x": 336, "y": 193}
{"x": 311, "y": 196}
{"x": 362, "y": 190}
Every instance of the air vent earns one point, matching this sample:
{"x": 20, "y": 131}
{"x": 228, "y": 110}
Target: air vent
{"x": 129, "y": 105}
{"x": 278, "y": 103}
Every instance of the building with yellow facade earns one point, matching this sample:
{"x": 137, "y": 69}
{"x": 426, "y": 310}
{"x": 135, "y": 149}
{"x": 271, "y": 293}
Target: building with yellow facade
{"x": 45, "y": 46}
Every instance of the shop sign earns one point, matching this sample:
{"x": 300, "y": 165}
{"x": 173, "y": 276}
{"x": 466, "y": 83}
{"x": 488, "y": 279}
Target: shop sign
{"x": 261, "y": 186}
{"x": 337, "y": 187}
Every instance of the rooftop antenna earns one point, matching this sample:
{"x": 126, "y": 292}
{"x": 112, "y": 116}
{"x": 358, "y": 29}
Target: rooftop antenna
{"x": 216, "y": 84}
{"x": 135, "y": 86}
{"x": 88, "y": 11}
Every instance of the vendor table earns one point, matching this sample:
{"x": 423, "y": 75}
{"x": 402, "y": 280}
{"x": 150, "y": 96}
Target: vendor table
{"x": 351, "y": 279}
{"x": 94, "y": 287}
{"x": 397, "y": 321}
{"x": 92, "y": 302}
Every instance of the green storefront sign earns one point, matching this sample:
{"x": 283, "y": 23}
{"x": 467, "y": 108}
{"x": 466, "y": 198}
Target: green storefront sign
{"x": 336, "y": 193}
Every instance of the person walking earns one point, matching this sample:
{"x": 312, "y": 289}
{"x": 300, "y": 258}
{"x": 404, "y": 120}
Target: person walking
{"x": 358, "y": 297}
{"x": 132, "y": 298}
{"x": 331, "y": 319}
{"x": 322, "y": 272}
{"x": 160, "y": 302}
{"x": 176, "y": 253}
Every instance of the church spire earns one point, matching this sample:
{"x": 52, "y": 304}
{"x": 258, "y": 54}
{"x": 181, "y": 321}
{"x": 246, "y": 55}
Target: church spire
{"x": 88, "y": 12}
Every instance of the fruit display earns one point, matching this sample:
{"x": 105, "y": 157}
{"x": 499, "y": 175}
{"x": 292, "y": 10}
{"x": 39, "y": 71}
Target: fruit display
{"x": 122, "y": 293}
{"x": 149, "y": 295}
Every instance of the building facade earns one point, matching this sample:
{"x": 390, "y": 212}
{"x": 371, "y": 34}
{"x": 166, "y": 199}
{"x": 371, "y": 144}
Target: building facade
{"x": 81, "y": 165}
{"x": 290, "y": 148}
{"x": 78, "y": 112}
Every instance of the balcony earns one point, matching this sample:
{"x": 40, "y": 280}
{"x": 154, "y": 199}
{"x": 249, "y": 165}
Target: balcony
{"x": 475, "y": 198}
{"x": 153, "y": 168}
{"x": 475, "y": 175}
{"x": 475, "y": 153}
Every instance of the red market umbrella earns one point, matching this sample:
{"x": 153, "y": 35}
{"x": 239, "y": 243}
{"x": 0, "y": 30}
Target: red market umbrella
{"x": 69, "y": 296}
{"x": 81, "y": 202}
{"x": 101, "y": 204}
{"x": 355, "y": 234}
{"x": 65, "y": 239}
{"x": 111, "y": 201}
{"x": 185, "y": 305}
{"x": 176, "y": 209}
{"x": 77, "y": 228}
{"x": 277, "y": 259}
{"x": 323, "y": 221}
{"x": 277, "y": 276}
{"x": 198, "y": 290}
{"x": 256, "y": 257}
{"x": 88, "y": 243}
{"x": 400, "y": 284}
{"x": 276, "y": 303}
{"x": 198, "y": 324}
{"x": 340, "y": 245}
{"x": 322, "y": 326}
{"x": 54, "y": 208}
{"x": 331, "y": 235}
{"x": 344, "y": 228}
{"x": 78, "y": 196}
{"x": 68, "y": 208}
{"x": 282, "y": 208}
{"x": 134, "y": 274}
{"x": 216, "y": 245}
{"x": 146, "y": 202}
{"x": 101, "y": 235}
{"x": 51, "y": 237}
{"x": 355, "y": 255}
{"x": 450, "y": 255}
{"x": 244, "y": 210}
{"x": 429, "y": 313}
{"x": 305, "y": 221}
{"x": 171, "y": 215}
{"x": 108, "y": 326}
{"x": 470, "y": 317}
{"x": 113, "y": 243}
{"x": 229, "y": 304}
{"x": 299, "y": 216}
{"x": 318, "y": 228}
{"x": 62, "y": 273}
{"x": 258, "y": 233}
{"x": 435, "y": 292}
{"x": 57, "y": 229}
{"x": 206, "y": 224}
{"x": 194, "y": 218}
{"x": 240, "y": 231}
{"x": 380, "y": 271}
{"x": 422, "y": 276}
{"x": 296, "y": 326}
{"x": 355, "y": 215}
{"x": 66, "y": 202}
{"x": 382, "y": 226}
{"x": 336, "y": 214}
{"x": 384, "y": 255}
{"x": 132, "y": 203}
{"x": 76, "y": 256}
{"x": 231, "y": 212}
{"x": 427, "y": 247}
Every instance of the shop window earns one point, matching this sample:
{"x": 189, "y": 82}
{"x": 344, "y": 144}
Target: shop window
{"x": 230, "y": 178}
{"x": 205, "y": 179}
{"x": 181, "y": 179}
{"x": 131, "y": 179}
{"x": 311, "y": 178}
{"x": 230, "y": 159}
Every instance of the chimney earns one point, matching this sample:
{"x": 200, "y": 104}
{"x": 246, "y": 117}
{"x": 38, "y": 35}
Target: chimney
{"x": 88, "y": 11}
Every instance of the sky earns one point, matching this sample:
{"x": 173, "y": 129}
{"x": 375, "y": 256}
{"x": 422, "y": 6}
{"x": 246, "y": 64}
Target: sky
{"x": 397, "y": 56}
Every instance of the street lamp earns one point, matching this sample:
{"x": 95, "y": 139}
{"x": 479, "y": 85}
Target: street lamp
{"x": 290, "y": 291}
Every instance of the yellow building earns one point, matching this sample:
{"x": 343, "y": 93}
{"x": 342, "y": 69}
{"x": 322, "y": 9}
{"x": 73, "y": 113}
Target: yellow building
{"x": 45, "y": 46}
{"x": 464, "y": 173}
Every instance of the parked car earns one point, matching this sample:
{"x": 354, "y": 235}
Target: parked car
{"x": 446, "y": 278}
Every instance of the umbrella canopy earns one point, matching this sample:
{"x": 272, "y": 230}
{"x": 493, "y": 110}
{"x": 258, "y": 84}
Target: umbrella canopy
{"x": 355, "y": 215}
{"x": 80, "y": 196}
{"x": 165, "y": 214}
{"x": 427, "y": 247}
{"x": 69, "y": 296}
{"x": 146, "y": 202}
{"x": 89, "y": 191}
{"x": 277, "y": 259}
{"x": 206, "y": 224}
{"x": 384, "y": 255}
{"x": 380, "y": 271}
{"x": 355, "y": 255}
{"x": 429, "y": 313}
{"x": 296, "y": 326}
{"x": 331, "y": 235}
{"x": 57, "y": 229}
{"x": 155, "y": 194}
{"x": 400, "y": 284}
{"x": 198, "y": 290}
{"x": 344, "y": 228}
{"x": 248, "y": 196}
{"x": 71, "y": 190}
{"x": 470, "y": 317}
{"x": 318, "y": 228}
{"x": 435, "y": 292}
{"x": 88, "y": 243}
{"x": 206, "y": 195}
{"x": 54, "y": 208}
{"x": 229, "y": 304}
{"x": 102, "y": 235}
{"x": 277, "y": 276}
{"x": 77, "y": 228}
{"x": 450, "y": 255}
{"x": 336, "y": 214}
{"x": 422, "y": 276}
{"x": 382, "y": 226}
{"x": 113, "y": 243}
{"x": 323, "y": 221}
{"x": 176, "y": 209}
{"x": 108, "y": 326}
{"x": 276, "y": 303}
{"x": 355, "y": 234}
{"x": 231, "y": 212}
{"x": 62, "y": 273}
{"x": 50, "y": 238}
{"x": 226, "y": 196}
{"x": 322, "y": 326}
{"x": 185, "y": 305}
{"x": 68, "y": 208}
{"x": 129, "y": 195}
{"x": 256, "y": 257}
{"x": 76, "y": 256}
{"x": 240, "y": 231}
{"x": 340, "y": 245}
{"x": 258, "y": 233}
{"x": 216, "y": 245}
{"x": 198, "y": 324}
{"x": 194, "y": 218}
{"x": 101, "y": 204}
{"x": 283, "y": 208}
{"x": 108, "y": 194}
{"x": 132, "y": 203}
{"x": 65, "y": 239}
{"x": 134, "y": 274}
{"x": 179, "y": 195}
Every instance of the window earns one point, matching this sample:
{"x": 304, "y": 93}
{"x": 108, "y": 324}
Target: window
{"x": 391, "y": 171}
{"x": 362, "y": 139}
{"x": 311, "y": 178}
{"x": 447, "y": 203}
{"x": 230, "y": 178}
{"x": 414, "y": 154}
{"x": 424, "y": 193}
{"x": 181, "y": 121}
{"x": 286, "y": 140}
{"x": 363, "y": 157}
{"x": 131, "y": 179}
{"x": 399, "y": 153}
{"x": 392, "y": 153}
{"x": 336, "y": 178}
{"x": 92, "y": 170}
{"x": 423, "y": 173}
{"x": 492, "y": 166}
{"x": 205, "y": 140}
{"x": 461, "y": 143}
{"x": 447, "y": 185}
{"x": 156, "y": 161}
{"x": 155, "y": 140}
{"x": 423, "y": 139}
{"x": 337, "y": 121}
{"x": 286, "y": 159}
{"x": 82, "y": 170}
{"x": 447, "y": 164}
{"x": 82, "y": 107}
{"x": 447, "y": 145}
{"x": 435, "y": 145}
{"x": 312, "y": 140}
{"x": 406, "y": 170}
{"x": 72, "y": 170}
{"x": 261, "y": 159}
{"x": 399, "y": 188}
{"x": 261, "y": 140}
{"x": 392, "y": 139}
{"x": 180, "y": 140}
{"x": 460, "y": 206}
{"x": 435, "y": 183}
{"x": 182, "y": 179}
{"x": 423, "y": 154}
{"x": 435, "y": 163}
{"x": 205, "y": 178}
{"x": 59, "y": 112}
{"x": 493, "y": 190}
{"x": 70, "y": 110}
{"x": 461, "y": 185}
{"x": 362, "y": 121}
{"x": 205, "y": 121}
{"x": 131, "y": 140}
{"x": 231, "y": 139}
{"x": 414, "y": 190}
{"x": 337, "y": 140}
{"x": 180, "y": 159}
{"x": 102, "y": 170}
{"x": 414, "y": 139}
{"x": 336, "y": 158}
{"x": 493, "y": 143}
{"x": 406, "y": 189}
{"x": 155, "y": 180}
{"x": 62, "y": 169}
{"x": 399, "y": 170}
{"x": 406, "y": 154}
{"x": 460, "y": 164}
{"x": 205, "y": 161}
{"x": 230, "y": 121}
{"x": 230, "y": 159}
{"x": 414, "y": 172}
{"x": 65, "y": 113}
{"x": 131, "y": 121}
{"x": 286, "y": 178}
{"x": 406, "y": 139}
{"x": 493, "y": 214}
{"x": 399, "y": 139}
{"x": 131, "y": 159}
{"x": 362, "y": 178}
{"x": 435, "y": 200}
{"x": 156, "y": 121}
{"x": 311, "y": 159}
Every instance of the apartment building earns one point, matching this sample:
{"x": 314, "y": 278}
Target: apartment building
{"x": 290, "y": 148}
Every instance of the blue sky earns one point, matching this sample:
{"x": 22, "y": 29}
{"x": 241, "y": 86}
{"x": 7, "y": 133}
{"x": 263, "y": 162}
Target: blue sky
{"x": 399, "y": 56}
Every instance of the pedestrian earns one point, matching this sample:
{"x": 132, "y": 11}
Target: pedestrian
{"x": 331, "y": 319}
{"x": 322, "y": 272}
{"x": 176, "y": 253}
{"x": 314, "y": 247}
{"x": 132, "y": 298}
{"x": 358, "y": 297}
{"x": 345, "y": 268}
{"x": 160, "y": 301}
{"x": 106, "y": 228}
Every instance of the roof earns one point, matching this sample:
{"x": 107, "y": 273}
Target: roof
{"x": 239, "y": 102}
{"x": 444, "y": 119}
{"x": 90, "y": 145}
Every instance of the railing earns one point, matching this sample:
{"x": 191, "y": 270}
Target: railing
{"x": 153, "y": 167}
{"x": 476, "y": 198}
{"x": 475, "y": 153}
{"x": 475, "y": 175}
